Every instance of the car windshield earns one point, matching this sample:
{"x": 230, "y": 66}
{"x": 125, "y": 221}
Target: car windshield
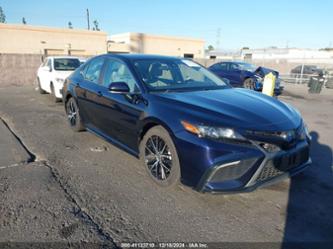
{"x": 66, "y": 64}
{"x": 247, "y": 67}
{"x": 176, "y": 75}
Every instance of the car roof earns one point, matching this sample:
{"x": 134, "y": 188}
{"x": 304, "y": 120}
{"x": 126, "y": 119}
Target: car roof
{"x": 143, "y": 56}
{"x": 62, "y": 57}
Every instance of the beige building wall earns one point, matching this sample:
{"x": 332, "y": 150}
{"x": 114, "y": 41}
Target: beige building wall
{"x": 26, "y": 39}
{"x": 158, "y": 44}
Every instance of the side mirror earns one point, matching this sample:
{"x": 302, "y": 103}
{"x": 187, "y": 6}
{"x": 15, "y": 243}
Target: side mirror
{"x": 47, "y": 69}
{"x": 119, "y": 87}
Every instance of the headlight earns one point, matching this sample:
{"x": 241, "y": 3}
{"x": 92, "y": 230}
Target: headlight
{"x": 306, "y": 131}
{"x": 60, "y": 80}
{"x": 303, "y": 132}
{"x": 212, "y": 132}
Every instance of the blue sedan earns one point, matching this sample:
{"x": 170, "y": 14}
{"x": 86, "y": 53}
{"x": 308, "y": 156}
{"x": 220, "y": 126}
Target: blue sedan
{"x": 185, "y": 124}
{"x": 242, "y": 74}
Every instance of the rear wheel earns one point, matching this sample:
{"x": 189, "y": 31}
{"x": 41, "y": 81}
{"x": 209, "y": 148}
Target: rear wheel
{"x": 249, "y": 83}
{"x": 40, "y": 90}
{"x": 159, "y": 157}
{"x": 73, "y": 115}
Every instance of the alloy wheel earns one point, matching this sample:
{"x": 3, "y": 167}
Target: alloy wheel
{"x": 71, "y": 113}
{"x": 249, "y": 83}
{"x": 158, "y": 158}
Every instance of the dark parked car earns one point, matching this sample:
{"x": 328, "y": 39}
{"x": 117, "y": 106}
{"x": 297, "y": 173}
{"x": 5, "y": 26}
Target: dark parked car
{"x": 185, "y": 123}
{"x": 307, "y": 69}
{"x": 241, "y": 74}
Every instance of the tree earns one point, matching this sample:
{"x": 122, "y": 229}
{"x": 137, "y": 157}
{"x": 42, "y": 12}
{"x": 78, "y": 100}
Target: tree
{"x": 70, "y": 25}
{"x": 96, "y": 25}
{"x": 210, "y": 48}
{"x": 2, "y": 16}
{"x": 24, "y": 21}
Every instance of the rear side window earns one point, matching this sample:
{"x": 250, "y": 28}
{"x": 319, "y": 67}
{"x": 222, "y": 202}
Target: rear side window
{"x": 94, "y": 69}
{"x": 220, "y": 66}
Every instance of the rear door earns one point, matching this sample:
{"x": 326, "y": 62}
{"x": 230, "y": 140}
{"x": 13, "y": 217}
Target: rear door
{"x": 221, "y": 69}
{"x": 88, "y": 92}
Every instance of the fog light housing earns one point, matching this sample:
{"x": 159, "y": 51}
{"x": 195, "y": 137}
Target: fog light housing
{"x": 231, "y": 171}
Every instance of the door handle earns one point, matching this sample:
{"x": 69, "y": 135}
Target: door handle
{"x": 99, "y": 94}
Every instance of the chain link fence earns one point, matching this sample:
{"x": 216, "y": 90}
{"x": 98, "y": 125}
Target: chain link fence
{"x": 287, "y": 68}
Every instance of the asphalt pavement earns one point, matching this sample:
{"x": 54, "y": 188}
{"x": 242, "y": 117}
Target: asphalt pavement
{"x": 77, "y": 187}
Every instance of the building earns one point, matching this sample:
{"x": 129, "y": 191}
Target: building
{"x": 27, "y": 39}
{"x": 156, "y": 44}
{"x": 274, "y": 53}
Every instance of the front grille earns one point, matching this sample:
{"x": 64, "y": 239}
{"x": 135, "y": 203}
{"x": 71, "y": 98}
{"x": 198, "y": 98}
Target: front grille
{"x": 282, "y": 164}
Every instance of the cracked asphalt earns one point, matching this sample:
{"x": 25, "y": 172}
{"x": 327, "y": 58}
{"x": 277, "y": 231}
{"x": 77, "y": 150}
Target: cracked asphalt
{"x": 79, "y": 188}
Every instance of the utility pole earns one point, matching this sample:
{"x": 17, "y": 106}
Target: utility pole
{"x": 88, "y": 22}
{"x": 218, "y": 38}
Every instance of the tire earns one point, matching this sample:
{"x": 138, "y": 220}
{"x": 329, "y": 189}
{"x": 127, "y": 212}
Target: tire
{"x": 40, "y": 90}
{"x": 159, "y": 156}
{"x": 54, "y": 98}
{"x": 73, "y": 115}
{"x": 248, "y": 83}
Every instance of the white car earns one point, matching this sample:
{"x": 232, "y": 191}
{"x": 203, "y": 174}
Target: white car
{"x": 53, "y": 72}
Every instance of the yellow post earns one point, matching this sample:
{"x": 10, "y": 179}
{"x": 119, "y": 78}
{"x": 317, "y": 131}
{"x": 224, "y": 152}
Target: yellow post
{"x": 269, "y": 84}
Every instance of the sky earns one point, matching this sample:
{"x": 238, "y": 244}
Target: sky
{"x": 232, "y": 24}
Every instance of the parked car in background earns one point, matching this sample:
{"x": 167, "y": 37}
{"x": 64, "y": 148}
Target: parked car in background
{"x": 185, "y": 123}
{"x": 52, "y": 73}
{"x": 242, "y": 74}
{"x": 329, "y": 78}
{"x": 307, "y": 69}
{"x": 82, "y": 60}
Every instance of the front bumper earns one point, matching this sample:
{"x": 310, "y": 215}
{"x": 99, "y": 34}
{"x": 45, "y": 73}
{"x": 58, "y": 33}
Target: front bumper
{"x": 273, "y": 168}
{"x": 217, "y": 167}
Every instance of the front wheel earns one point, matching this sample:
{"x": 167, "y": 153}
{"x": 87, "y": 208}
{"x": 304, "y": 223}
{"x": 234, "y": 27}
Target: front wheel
{"x": 159, "y": 157}
{"x": 249, "y": 83}
{"x": 53, "y": 96}
{"x": 73, "y": 115}
{"x": 40, "y": 89}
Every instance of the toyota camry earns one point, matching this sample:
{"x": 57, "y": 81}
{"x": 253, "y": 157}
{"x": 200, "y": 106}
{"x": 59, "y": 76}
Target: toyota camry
{"x": 185, "y": 124}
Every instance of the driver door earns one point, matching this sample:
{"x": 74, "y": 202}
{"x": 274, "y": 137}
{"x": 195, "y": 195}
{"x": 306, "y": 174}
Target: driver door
{"x": 121, "y": 111}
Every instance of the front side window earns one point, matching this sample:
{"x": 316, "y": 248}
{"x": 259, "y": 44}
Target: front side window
{"x": 66, "y": 64}
{"x": 94, "y": 70}
{"x": 234, "y": 67}
{"x": 117, "y": 71}
{"x": 176, "y": 74}
{"x": 246, "y": 67}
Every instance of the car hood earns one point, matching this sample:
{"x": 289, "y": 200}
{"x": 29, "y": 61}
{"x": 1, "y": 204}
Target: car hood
{"x": 236, "y": 108}
{"x": 262, "y": 71}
